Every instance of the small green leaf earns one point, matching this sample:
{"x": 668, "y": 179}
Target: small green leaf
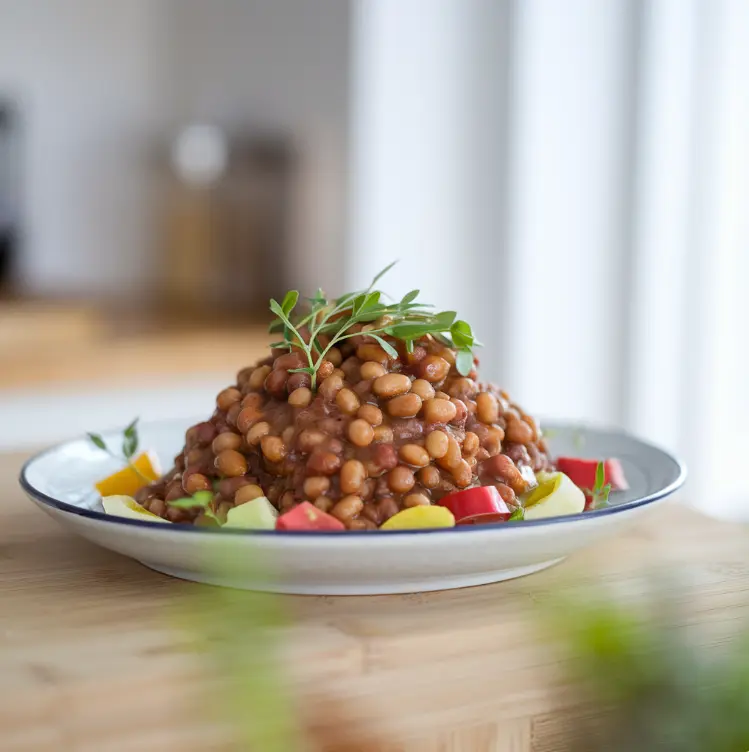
{"x": 600, "y": 476}
{"x": 461, "y": 334}
{"x": 518, "y": 514}
{"x": 381, "y": 274}
{"x": 200, "y": 499}
{"x": 409, "y": 297}
{"x": 275, "y": 326}
{"x": 386, "y": 346}
{"x": 445, "y": 320}
{"x": 307, "y": 369}
{"x": 97, "y": 441}
{"x": 289, "y": 301}
{"x": 130, "y": 440}
{"x": 280, "y": 344}
{"x": 409, "y": 346}
{"x": 464, "y": 362}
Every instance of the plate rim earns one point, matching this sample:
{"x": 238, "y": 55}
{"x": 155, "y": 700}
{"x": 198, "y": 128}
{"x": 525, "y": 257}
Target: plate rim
{"x": 68, "y": 508}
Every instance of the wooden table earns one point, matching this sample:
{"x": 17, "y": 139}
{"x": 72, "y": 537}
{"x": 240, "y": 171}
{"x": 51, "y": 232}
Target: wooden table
{"x": 93, "y": 658}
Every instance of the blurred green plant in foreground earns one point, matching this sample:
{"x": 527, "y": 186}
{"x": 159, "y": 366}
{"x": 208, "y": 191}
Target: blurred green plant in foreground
{"x": 656, "y": 690}
{"x": 240, "y": 633}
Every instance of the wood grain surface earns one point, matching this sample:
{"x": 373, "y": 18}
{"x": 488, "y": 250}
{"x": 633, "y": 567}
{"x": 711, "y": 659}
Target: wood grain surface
{"x": 92, "y": 658}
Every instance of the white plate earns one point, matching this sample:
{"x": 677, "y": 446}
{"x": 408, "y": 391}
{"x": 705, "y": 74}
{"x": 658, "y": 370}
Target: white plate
{"x": 60, "y": 480}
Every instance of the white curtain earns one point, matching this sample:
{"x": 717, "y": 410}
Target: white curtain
{"x": 571, "y": 177}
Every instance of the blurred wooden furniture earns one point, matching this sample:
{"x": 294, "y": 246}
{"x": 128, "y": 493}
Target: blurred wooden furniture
{"x": 47, "y": 344}
{"x": 92, "y": 658}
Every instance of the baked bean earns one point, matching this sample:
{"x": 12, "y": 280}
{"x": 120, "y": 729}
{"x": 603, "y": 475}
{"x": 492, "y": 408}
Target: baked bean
{"x": 275, "y": 383}
{"x": 368, "y": 488}
{"x": 414, "y": 455}
{"x": 503, "y": 468}
{"x": 340, "y": 373}
{"x": 436, "y": 444}
{"x": 423, "y": 388}
{"x": 360, "y": 524}
{"x": 257, "y": 378}
{"x": 334, "y": 356}
{"x": 404, "y": 406}
{"x": 288, "y": 435}
{"x": 416, "y": 500}
{"x": 316, "y": 485}
{"x": 247, "y": 493}
{"x": 429, "y": 477}
{"x": 360, "y": 432}
{"x": 288, "y": 360}
{"x": 228, "y": 487}
{"x": 452, "y": 456}
{"x": 227, "y": 440}
{"x": 205, "y": 434}
{"x": 470, "y": 443}
{"x": 347, "y": 401}
{"x": 433, "y": 368}
{"x": 463, "y": 474}
{"x": 353, "y": 475}
{"x": 231, "y": 463}
{"x": 384, "y": 457}
{"x": 448, "y": 355}
{"x": 334, "y": 445}
{"x": 487, "y": 408}
{"x": 391, "y": 385}
{"x": 157, "y": 506}
{"x": 461, "y": 411}
{"x": 273, "y": 448}
{"x": 518, "y": 431}
{"x": 350, "y": 368}
{"x": 371, "y": 413}
{"x": 418, "y": 354}
{"x": 300, "y": 397}
{"x": 481, "y": 455}
{"x": 324, "y": 503}
{"x": 227, "y": 398}
{"x": 252, "y": 400}
{"x": 463, "y": 388}
{"x": 534, "y": 427}
{"x": 401, "y": 479}
{"x": 324, "y": 463}
{"x": 298, "y": 381}
{"x": 439, "y": 411}
{"x": 247, "y": 417}
{"x": 326, "y": 369}
{"x": 287, "y": 502}
{"x": 507, "y": 494}
{"x": 333, "y": 426}
{"x": 310, "y": 438}
{"x": 173, "y": 514}
{"x": 383, "y": 434}
{"x": 387, "y": 507}
{"x": 371, "y": 512}
{"x": 493, "y": 442}
{"x": 347, "y": 508}
{"x": 373, "y": 352}
{"x": 195, "y": 482}
{"x": 442, "y": 395}
{"x": 233, "y": 413}
{"x": 256, "y": 433}
{"x": 371, "y": 370}
{"x": 330, "y": 387}
{"x": 517, "y": 453}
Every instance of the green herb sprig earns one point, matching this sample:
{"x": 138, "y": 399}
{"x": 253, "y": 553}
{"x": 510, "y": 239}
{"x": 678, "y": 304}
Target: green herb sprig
{"x": 518, "y": 515}
{"x": 405, "y": 320}
{"x": 202, "y": 499}
{"x": 601, "y": 490}
{"x": 130, "y": 442}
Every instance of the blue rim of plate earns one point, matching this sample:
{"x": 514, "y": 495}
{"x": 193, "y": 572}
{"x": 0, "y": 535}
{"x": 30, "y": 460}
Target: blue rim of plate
{"x": 63, "y": 506}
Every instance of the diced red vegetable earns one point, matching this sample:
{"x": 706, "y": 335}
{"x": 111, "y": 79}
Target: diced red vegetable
{"x": 477, "y": 505}
{"x": 306, "y": 516}
{"x": 582, "y": 472}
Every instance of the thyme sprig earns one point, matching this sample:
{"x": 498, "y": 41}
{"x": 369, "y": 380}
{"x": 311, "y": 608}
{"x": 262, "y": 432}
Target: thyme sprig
{"x": 330, "y": 322}
{"x": 130, "y": 442}
{"x": 601, "y": 490}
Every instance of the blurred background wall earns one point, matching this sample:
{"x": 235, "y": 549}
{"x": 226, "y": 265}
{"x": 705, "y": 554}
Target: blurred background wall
{"x": 569, "y": 176}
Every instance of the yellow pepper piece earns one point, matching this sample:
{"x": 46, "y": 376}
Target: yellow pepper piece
{"x": 126, "y": 481}
{"x": 420, "y": 517}
{"x": 124, "y": 506}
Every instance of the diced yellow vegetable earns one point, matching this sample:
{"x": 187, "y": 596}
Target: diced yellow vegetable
{"x": 258, "y": 514}
{"x": 127, "y": 482}
{"x": 420, "y": 517}
{"x": 126, "y": 506}
{"x": 555, "y": 495}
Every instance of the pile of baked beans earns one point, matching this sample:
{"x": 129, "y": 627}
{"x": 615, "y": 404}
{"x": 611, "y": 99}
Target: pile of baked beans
{"x": 379, "y": 434}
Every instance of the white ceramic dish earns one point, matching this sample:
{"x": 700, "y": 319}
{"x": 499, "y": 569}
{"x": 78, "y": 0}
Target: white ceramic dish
{"x": 60, "y": 480}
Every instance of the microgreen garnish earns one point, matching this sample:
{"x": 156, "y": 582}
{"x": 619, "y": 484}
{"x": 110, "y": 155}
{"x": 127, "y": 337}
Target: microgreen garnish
{"x": 601, "y": 490}
{"x": 405, "y": 320}
{"x": 201, "y": 499}
{"x": 517, "y": 515}
{"x": 130, "y": 443}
